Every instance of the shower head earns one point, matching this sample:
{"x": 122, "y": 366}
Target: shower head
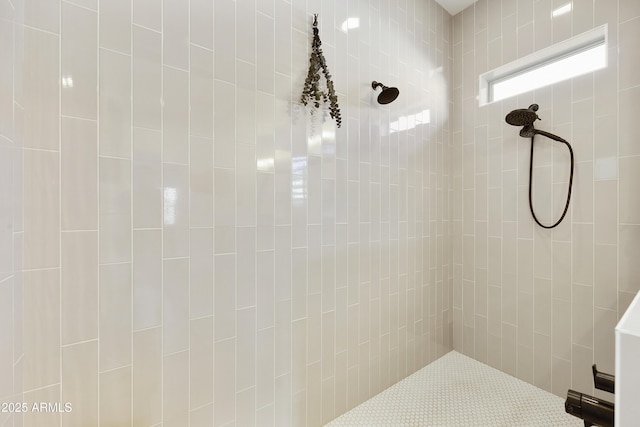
{"x": 524, "y": 117}
{"x": 388, "y": 94}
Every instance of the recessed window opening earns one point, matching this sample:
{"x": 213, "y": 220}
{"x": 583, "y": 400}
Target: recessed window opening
{"x": 570, "y": 58}
{"x": 559, "y": 69}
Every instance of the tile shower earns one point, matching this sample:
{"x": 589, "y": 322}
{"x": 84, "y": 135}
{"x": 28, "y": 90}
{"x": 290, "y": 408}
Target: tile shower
{"x": 185, "y": 246}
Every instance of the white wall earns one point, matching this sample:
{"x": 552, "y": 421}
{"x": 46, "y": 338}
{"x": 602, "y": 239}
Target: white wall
{"x": 197, "y": 251}
{"x": 11, "y": 215}
{"x": 542, "y": 305}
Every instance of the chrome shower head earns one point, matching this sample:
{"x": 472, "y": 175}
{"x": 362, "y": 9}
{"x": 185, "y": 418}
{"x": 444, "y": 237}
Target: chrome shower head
{"x": 388, "y": 94}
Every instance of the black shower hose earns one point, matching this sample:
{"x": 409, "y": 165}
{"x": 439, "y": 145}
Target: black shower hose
{"x": 566, "y": 206}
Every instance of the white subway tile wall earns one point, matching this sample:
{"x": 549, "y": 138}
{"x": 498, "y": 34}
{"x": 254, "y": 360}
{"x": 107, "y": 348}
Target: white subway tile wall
{"x": 14, "y": 282}
{"x": 183, "y": 244}
{"x": 542, "y": 304}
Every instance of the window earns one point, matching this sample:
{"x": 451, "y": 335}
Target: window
{"x": 570, "y": 58}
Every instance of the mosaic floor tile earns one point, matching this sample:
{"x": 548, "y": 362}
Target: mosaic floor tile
{"x": 456, "y": 390}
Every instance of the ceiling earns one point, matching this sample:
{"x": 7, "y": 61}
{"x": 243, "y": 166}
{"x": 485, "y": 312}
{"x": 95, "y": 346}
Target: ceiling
{"x": 455, "y": 6}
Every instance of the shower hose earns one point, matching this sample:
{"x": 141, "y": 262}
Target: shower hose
{"x": 566, "y": 206}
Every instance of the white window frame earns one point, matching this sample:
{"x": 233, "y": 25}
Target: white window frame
{"x": 560, "y": 51}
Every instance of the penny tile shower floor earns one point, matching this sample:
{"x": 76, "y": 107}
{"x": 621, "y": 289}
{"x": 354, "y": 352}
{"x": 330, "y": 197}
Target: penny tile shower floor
{"x": 456, "y": 390}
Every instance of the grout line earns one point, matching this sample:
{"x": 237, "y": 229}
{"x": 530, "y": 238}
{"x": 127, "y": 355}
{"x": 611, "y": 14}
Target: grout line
{"x": 80, "y": 342}
{"x": 31, "y": 27}
{"x": 117, "y": 368}
{"x": 72, "y": 3}
{"x": 189, "y": 205}
{"x": 97, "y": 213}
{"x": 131, "y": 204}
{"x": 110, "y": 50}
{"x": 618, "y": 234}
{"x": 162, "y": 186}
{"x": 59, "y": 196}
{"x": 159, "y": 32}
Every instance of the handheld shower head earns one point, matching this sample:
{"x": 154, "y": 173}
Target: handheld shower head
{"x": 526, "y": 118}
{"x": 523, "y": 117}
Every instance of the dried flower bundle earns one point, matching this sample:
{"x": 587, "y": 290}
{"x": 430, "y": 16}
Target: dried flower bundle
{"x": 312, "y": 93}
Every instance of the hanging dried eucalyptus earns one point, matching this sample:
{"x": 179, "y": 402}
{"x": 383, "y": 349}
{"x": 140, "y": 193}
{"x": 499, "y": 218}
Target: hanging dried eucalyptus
{"x": 312, "y": 93}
